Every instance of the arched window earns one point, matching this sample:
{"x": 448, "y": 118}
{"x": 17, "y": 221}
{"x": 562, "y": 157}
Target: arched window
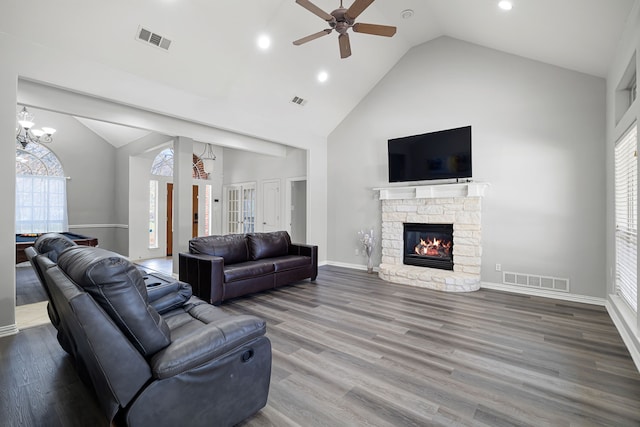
{"x": 163, "y": 165}
{"x": 41, "y": 190}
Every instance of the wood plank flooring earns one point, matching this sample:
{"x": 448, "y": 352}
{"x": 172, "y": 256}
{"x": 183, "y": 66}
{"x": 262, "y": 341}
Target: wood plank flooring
{"x": 352, "y": 350}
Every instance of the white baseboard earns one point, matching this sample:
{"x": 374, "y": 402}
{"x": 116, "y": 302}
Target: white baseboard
{"x": 544, "y": 293}
{"x": 347, "y": 265}
{"x": 8, "y": 330}
{"x": 627, "y": 326}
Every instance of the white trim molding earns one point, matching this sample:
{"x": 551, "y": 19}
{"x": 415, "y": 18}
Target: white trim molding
{"x": 585, "y": 299}
{"x": 626, "y": 323}
{"x": 125, "y": 226}
{"x": 8, "y": 330}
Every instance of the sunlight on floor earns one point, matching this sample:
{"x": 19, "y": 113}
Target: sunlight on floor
{"x": 30, "y": 315}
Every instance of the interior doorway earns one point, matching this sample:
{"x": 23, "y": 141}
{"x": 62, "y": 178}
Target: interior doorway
{"x": 296, "y": 199}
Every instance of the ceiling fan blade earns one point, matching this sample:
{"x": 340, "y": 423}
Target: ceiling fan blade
{"x": 312, "y": 37}
{"x": 345, "y": 46}
{"x": 375, "y": 29}
{"x": 315, "y": 10}
{"x": 357, "y": 8}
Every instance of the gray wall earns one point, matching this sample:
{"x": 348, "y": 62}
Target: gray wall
{"x": 538, "y": 139}
{"x": 90, "y": 163}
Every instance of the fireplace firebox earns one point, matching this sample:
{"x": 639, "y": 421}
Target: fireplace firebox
{"x": 428, "y": 245}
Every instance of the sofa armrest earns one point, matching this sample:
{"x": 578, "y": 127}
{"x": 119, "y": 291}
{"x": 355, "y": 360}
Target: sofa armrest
{"x": 167, "y": 296}
{"x": 205, "y": 274}
{"x": 206, "y": 344}
{"x": 306, "y": 250}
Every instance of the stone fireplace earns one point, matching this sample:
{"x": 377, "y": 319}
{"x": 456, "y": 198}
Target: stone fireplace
{"x": 443, "y": 247}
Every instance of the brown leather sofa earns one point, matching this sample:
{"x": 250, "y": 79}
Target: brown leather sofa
{"x": 219, "y": 268}
{"x": 193, "y": 365}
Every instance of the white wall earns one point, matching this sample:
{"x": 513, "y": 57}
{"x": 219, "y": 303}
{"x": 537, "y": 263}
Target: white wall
{"x": 241, "y": 166}
{"x": 538, "y": 139}
{"x": 627, "y": 322}
{"x": 8, "y": 98}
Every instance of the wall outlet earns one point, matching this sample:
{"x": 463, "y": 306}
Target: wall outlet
{"x": 498, "y": 267}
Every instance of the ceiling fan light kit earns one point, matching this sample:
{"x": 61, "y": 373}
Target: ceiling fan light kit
{"x": 341, "y": 20}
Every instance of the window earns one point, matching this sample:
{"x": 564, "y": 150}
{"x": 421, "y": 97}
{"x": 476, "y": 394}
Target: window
{"x": 163, "y": 165}
{"x": 41, "y": 190}
{"x": 207, "y": 211}
{"x": 626, "y": 212}
{"x": 153, "y": 214}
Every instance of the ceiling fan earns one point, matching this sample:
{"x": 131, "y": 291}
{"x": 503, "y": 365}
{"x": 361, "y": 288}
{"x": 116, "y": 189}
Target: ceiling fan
{"x": 341, "y": 20}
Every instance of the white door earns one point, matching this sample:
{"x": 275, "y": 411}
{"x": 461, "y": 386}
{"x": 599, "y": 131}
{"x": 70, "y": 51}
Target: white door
{"x": 240, "y": 208}
{"x": 234, "y": 210}
{"x": 271, "y": 205}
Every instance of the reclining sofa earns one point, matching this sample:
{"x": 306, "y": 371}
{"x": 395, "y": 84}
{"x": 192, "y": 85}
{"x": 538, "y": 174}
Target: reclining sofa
{"x": 219, "y": 268}
{"x": 164, "y": 292}
{"x": 192, "y": 365}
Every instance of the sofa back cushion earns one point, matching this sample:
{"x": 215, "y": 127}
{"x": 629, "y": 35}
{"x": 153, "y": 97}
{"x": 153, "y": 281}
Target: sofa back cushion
{"x": 268, "y": 245}
{"x": 118, "y": 287}
{"x": 232, "y": 247}
{"x": 52, "y": 244}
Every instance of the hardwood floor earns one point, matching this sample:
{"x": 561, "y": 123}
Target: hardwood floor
{"x": 351, "y": 349}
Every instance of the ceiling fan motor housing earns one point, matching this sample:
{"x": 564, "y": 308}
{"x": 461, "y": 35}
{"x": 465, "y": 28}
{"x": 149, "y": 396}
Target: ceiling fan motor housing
{"x": 341, "y": 22}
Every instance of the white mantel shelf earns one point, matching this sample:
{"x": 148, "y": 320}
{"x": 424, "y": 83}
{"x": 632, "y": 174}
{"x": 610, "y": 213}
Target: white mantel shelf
{"x": 462, "y": 189}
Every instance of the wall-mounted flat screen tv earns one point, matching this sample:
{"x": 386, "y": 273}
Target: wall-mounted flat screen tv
{"x": 444, "y": 154}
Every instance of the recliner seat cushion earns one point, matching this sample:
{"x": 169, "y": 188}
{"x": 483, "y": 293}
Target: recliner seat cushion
{"x": 268, "y": 245}
{"x": 52, "y": 244}
{"x": 118, "y": 287}
{"x": 232, "y": 247}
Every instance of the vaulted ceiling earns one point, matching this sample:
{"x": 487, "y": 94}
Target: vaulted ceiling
{"x": 213, "y": 57}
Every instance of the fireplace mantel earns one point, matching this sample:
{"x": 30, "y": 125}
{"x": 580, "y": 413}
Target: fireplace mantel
{"x": 462, "y": 189}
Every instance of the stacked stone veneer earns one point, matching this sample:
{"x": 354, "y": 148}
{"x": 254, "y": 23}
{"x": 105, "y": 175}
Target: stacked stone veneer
{"x": 465, "y": 215}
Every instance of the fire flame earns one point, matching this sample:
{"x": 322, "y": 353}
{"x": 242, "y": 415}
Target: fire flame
{"x": 433, "y": 247}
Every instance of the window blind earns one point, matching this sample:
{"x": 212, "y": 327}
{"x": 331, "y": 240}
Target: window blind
{"x": 626, "y": 214}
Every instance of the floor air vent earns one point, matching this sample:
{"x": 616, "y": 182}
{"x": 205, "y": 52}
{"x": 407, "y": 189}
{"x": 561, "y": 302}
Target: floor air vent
{"x": 533, "y": 281}
{"x": 152, "y": 38}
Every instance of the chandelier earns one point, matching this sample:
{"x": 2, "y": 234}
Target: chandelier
{"x": 25, "y": 132}
{"x": 208, "y": 157}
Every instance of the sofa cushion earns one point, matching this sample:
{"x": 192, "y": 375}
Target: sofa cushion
{"x": 290, "y": 261}
{"x": 118, "y": 287}
{"x": 232, "y": 247}
{"x": 267, "y": 245}
{"x": 52, "y": 244}
{"x": 247, "y": 270}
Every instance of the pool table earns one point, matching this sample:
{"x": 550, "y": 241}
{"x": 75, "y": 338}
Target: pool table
{"x": 23, "y": 241}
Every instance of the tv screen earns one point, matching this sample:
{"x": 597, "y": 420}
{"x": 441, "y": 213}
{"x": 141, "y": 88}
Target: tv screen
{"x": 444, "y": 154}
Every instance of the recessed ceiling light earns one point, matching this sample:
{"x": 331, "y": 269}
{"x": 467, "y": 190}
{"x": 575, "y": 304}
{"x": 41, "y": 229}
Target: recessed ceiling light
{"x": 505, "y": 5}
{"x": 323, "y": 76}
{"x": 264, "y": 42}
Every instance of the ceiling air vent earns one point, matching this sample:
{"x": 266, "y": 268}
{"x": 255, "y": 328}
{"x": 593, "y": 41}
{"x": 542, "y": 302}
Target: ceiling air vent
{"x": 153, "y": 38}
{"x": 298, "y": 100}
